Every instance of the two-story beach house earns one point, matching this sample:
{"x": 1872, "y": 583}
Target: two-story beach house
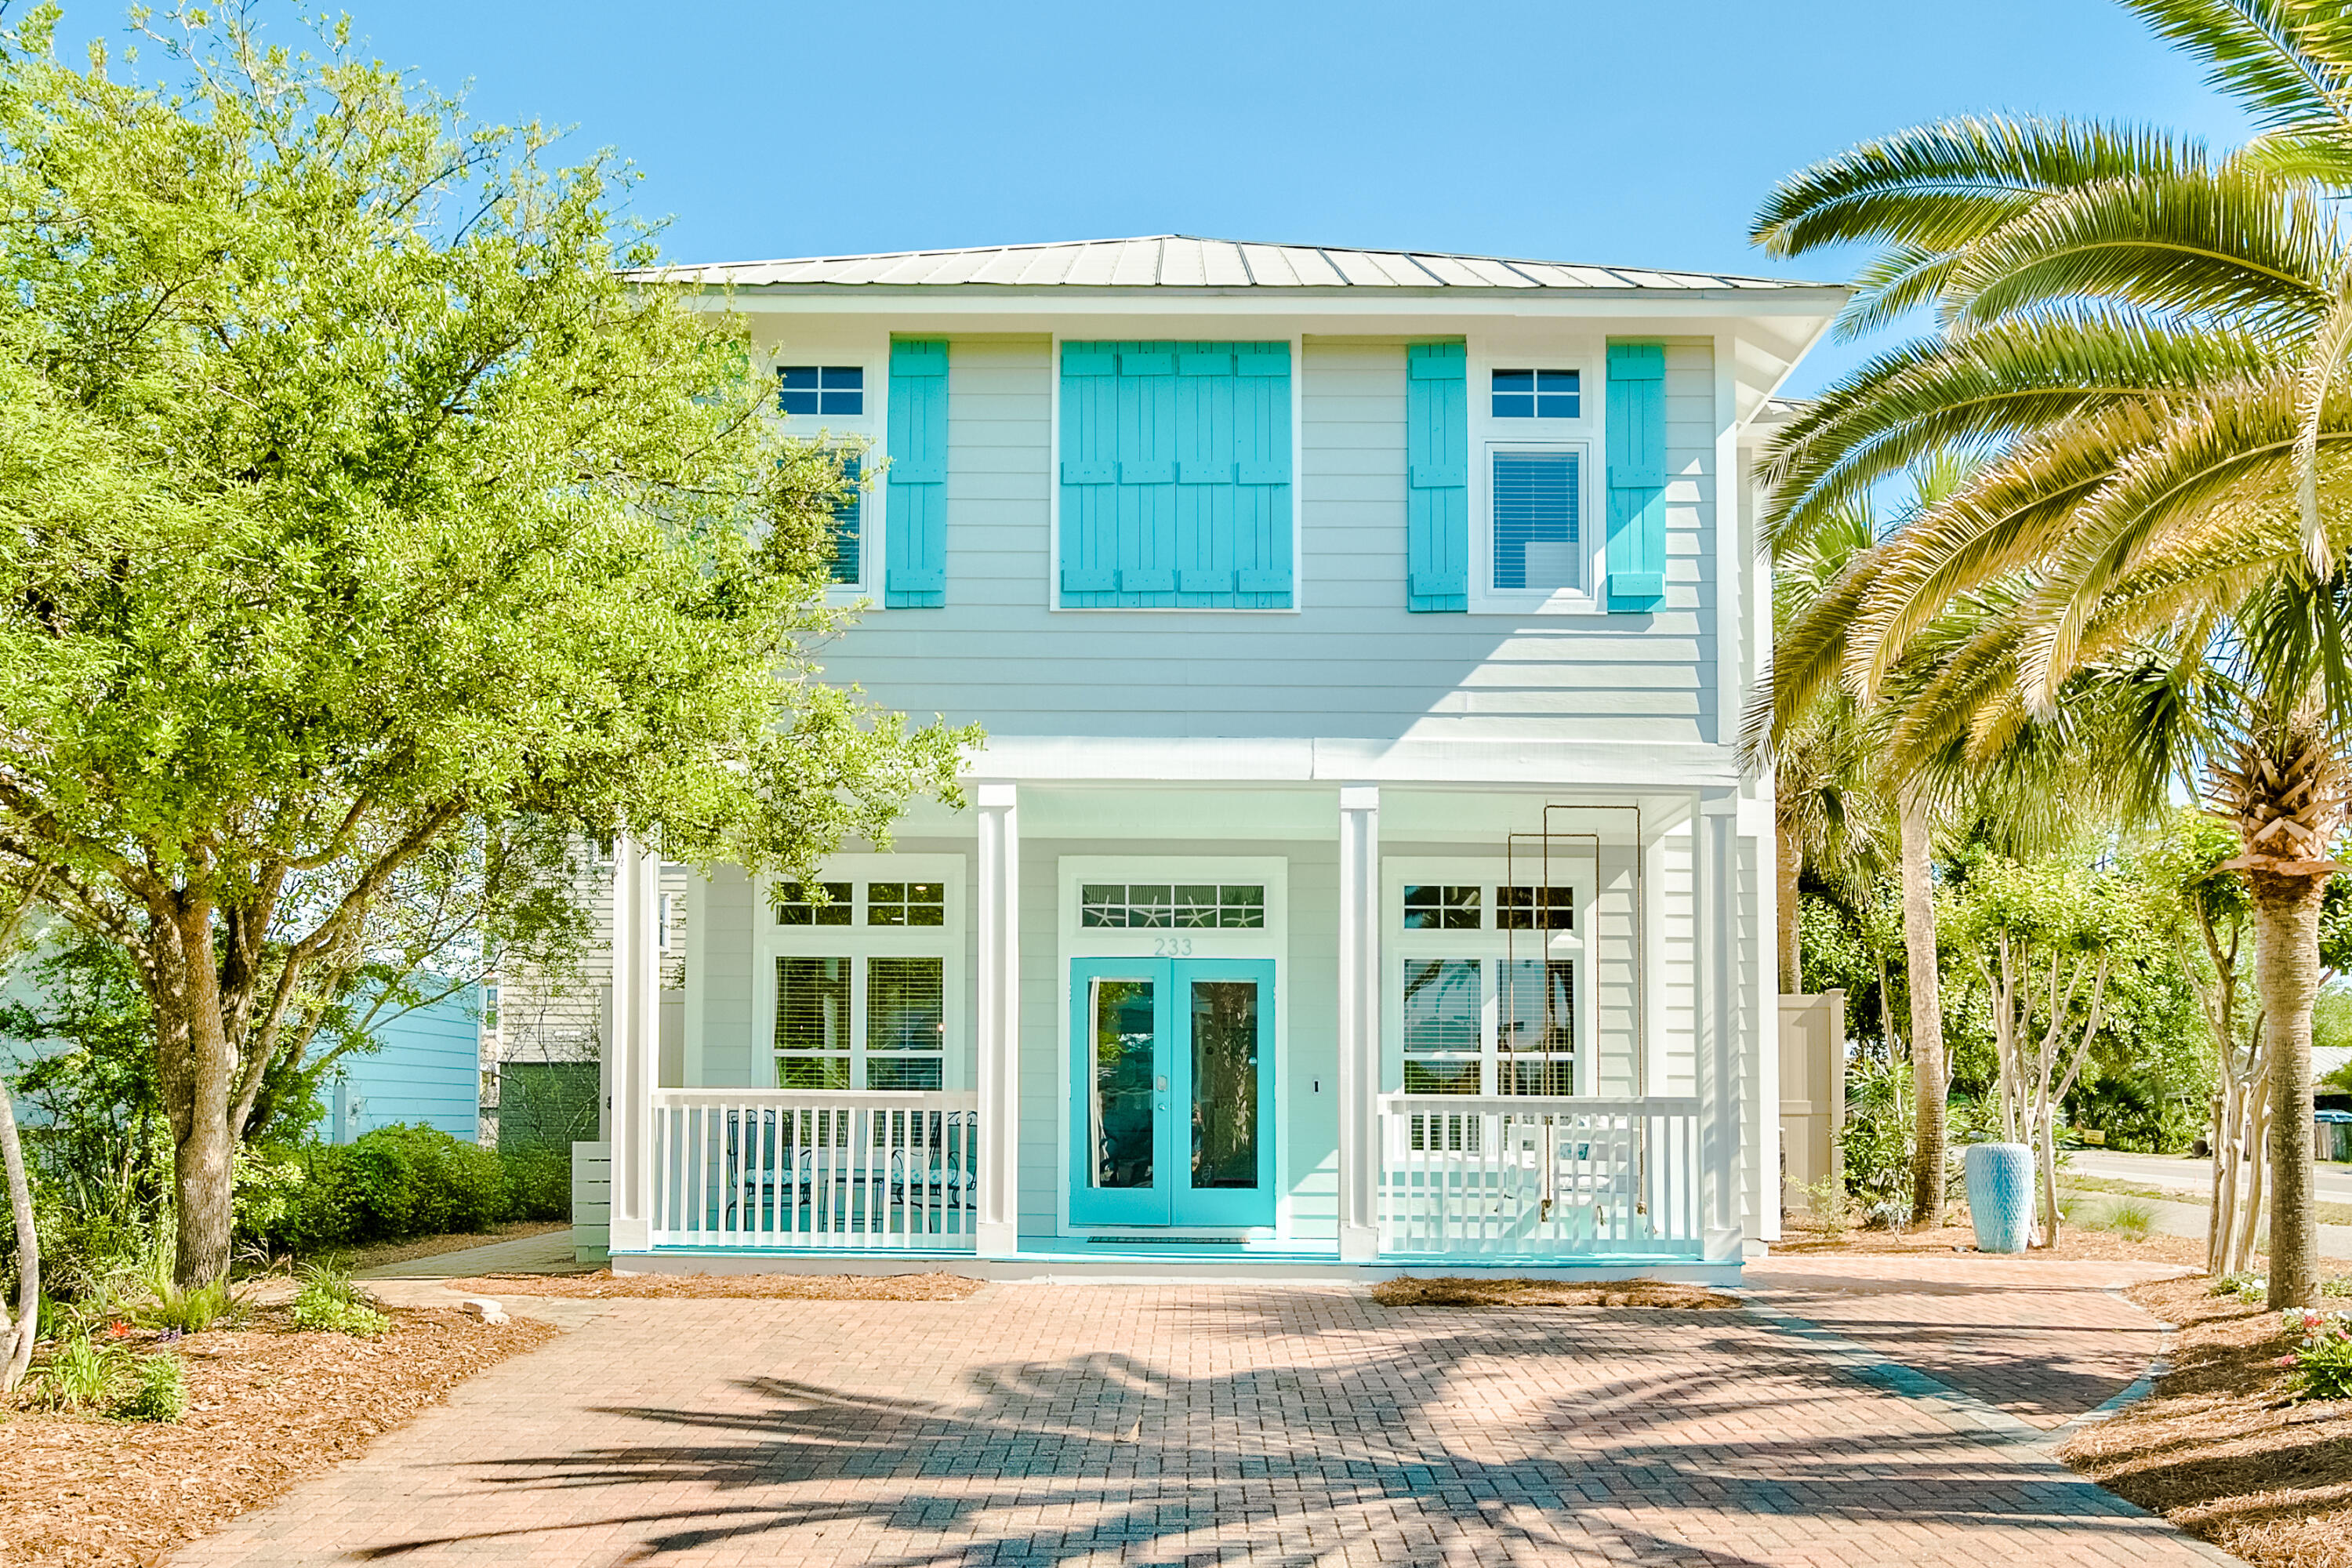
{"x": 1360, "y": 873}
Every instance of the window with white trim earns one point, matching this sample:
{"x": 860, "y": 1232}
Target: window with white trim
{"x": 838, "y": 389}
{"x": 1535, "y": 512}
{"x": 1485, "y": 987}
{"x": 862, "y": 975}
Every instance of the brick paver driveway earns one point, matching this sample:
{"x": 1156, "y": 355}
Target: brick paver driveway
{"x": 1040, "y": 1424}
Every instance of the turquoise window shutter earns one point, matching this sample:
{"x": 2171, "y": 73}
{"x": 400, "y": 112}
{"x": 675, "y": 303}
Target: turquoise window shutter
{"x": 915, "y": 575}
{"x": 1437, "y": 477}
{"x": 1637, "y": 477}
{"x": 1175, "y": 476}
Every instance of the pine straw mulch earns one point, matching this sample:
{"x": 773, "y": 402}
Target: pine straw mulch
{"x": 269, "y": 1407}
{"x": 1455, "y": 1291}
{"x": 2075, "y": 1244}
{"x": 2220, "y": 1448}
{"x": 605, "y": 1285}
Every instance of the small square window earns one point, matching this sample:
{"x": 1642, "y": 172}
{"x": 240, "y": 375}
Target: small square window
{"x": 1535, "y": 908}
{"x": 1431, "y": 908}
{"x": 821, "y": 389}
{"x": 905, "y": 904}
{"x": 1539, "y": 394}
{"x": 796, "y": 907}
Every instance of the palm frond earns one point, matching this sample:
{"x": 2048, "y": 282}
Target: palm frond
{"x": 1937, "y": 187}
{"x": 1979, "y": 392}
{"x": 2208, "y": 242}
{"x": 2288, "y": 62}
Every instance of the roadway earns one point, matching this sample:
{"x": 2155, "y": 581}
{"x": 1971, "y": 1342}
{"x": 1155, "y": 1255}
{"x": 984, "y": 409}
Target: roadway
{"x": 2182, "y": 1174}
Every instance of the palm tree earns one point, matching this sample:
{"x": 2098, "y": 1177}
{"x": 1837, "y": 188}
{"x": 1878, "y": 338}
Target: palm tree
{"x": 2152, "y": 346}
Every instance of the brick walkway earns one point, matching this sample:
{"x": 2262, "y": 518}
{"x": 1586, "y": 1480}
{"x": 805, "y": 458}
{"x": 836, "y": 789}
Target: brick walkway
{"x": 1097, "y": 1424}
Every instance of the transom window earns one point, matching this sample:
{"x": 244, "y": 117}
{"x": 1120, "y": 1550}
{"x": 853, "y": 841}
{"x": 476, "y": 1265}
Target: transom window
{"x": 1539, "y": 394}
{"x": 1434, "y": 907}
{"x": 905, "y": 904}
{"x": 798, "y": 906}
{"x": 863, "y": 974}
{"x": 1150, "y": 906}
{"x": 1536, "y": 504}
{"x": 1429, "y": 906}
{"x": 821, "y": 389}
{"x": 1535, "y": 908}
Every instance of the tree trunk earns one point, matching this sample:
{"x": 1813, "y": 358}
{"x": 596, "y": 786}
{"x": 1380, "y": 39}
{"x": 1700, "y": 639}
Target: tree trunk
{"x": 16, "y": 1338}
{"x": 2286, "y": 971}
{"x": 192, "y": 1047}
{"x": 1790, "y": 865}
{"x": 1927, "y": 1011}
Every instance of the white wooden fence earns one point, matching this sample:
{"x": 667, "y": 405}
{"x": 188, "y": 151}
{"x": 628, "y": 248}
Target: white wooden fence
{"x": 1529, "y": 1176}
{"x": 815, "y": 1168}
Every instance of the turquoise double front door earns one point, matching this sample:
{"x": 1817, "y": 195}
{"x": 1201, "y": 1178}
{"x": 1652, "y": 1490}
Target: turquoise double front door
{"x": 1172, "y": 1086}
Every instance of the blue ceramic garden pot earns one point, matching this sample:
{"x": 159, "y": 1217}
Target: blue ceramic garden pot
{"x": 2000, "y": 1195}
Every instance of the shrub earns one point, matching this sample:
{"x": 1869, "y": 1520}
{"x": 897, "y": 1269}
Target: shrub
{"x": 82, "y": 1373}
{"x": 391, "y": 1183}
{"x": 2341, "y": 1285}
{"x": 191, "y": 1311}
{"x": 539, "y": 1182}
{"x": 2253, "y": 1289}
{"x": 160, "y": 1393}
{"x": 2127, "y": 1218}
{"x": 329, "y": 1301}
{"x": 2323, "y": 1361}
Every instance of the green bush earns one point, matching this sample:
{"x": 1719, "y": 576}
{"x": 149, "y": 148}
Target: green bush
{"x": 160, "y": 1393}
{"x": 389, "y": 1184}
{"x": 539, "y": 1182}
{"x": 82, "y": 1373}
{"x": 329, "y": 1300}
{"x": 192, "y": 1312}
{"x": 2323, "y": 1362}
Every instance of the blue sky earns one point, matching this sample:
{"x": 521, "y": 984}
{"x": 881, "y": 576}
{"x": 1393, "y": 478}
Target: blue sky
{"x": 1639, "y": 133}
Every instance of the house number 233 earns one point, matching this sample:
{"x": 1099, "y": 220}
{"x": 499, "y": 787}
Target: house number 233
{"x": 1171, "y": 947}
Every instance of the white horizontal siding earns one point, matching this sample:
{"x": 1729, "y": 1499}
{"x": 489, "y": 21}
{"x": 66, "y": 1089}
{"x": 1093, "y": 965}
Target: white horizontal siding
{"x": 1351, "y": 664}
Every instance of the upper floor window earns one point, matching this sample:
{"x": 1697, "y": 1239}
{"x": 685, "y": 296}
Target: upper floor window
{"x": 1539, "y": 394}
{"x": 1535, "y": 507}
{"x": 848, "y": 515}
{"x": 821, "y": 389}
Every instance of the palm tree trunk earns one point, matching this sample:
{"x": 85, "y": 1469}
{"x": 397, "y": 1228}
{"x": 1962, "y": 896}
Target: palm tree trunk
{"x": 1926, "y": 1009}
{"x": 2286, "y": 970}
{"x": 1790, "y": 865}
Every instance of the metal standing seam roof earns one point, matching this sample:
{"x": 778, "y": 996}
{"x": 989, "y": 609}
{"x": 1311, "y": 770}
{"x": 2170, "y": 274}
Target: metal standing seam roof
{"x": 1186, "y": 261}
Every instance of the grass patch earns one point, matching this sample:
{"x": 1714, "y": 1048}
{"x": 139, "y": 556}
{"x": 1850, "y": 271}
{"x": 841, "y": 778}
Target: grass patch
{"x": 1460, "y": 1290}
{"x": 2329, "y": 1213}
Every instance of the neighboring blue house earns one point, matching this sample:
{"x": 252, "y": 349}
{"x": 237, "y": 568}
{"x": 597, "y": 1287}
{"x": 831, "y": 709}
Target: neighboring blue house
{"x": 1360, "y": 874}
{"x": 426, "y": 1068}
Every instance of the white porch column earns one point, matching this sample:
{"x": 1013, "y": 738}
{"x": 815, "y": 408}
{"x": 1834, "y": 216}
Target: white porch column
{"x": 1359, "y": 1081}
{"x": 1719, "y": 1100}
{"x": 635, "y": 1043}
{"x": 999, "y": 1034}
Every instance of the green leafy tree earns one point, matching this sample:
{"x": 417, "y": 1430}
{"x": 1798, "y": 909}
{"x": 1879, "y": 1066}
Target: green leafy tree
{"x": 2148, "y": 343}
{"x": 2050, "y": 940}
{"x": 358, "y": 504}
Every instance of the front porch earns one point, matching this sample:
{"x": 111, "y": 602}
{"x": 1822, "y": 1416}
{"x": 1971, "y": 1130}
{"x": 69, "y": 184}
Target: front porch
{"x": 1238, "y": 1110}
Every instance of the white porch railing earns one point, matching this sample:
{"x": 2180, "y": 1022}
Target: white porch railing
{"x": 815, "y": 1168}
{"x": 1534, "y": 1175}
